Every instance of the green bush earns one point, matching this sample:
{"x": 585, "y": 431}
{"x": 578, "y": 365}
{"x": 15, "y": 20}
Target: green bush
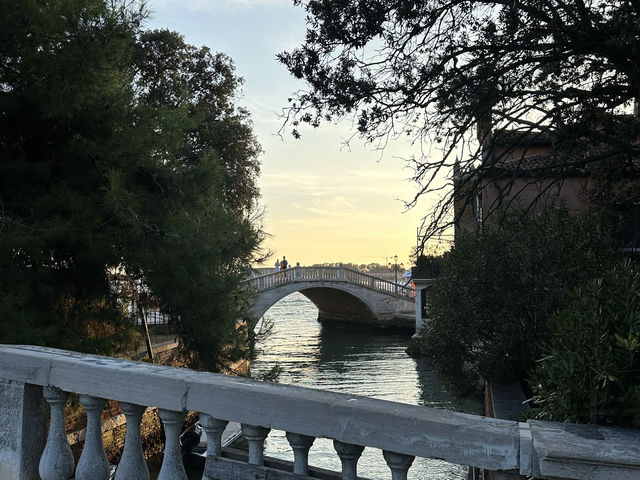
{"x": 590, "y": 371}
{"x": 489, "y": 306}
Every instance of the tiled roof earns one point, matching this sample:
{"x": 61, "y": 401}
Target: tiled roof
{"x": 507, "y": 137}
{"x": 541, "y": 165}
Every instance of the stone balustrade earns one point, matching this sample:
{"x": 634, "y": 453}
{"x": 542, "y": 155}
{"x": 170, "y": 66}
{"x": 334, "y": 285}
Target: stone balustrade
{"x": 264, "y": 282}
{"x": 30, "y": 375}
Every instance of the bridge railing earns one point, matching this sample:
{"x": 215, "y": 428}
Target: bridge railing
{"x": 271, "y": 280}
{"x": 401, "y": 431}
{"x": 274, "y": 279}
{"x": 380, "y": 284}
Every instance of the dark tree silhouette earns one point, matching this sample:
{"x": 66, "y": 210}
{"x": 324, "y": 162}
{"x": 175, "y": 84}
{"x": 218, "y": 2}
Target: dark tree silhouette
{"x": 124, "y": 160}
{"x": 457, "y": 72}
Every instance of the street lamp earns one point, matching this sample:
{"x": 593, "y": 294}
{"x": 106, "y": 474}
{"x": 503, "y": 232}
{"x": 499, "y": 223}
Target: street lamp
{"x": 395, "y": 267}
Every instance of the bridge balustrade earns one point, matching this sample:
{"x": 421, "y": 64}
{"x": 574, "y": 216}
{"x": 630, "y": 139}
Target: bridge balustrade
{"x": 275, "y": 279}
{"x": 401, "y": 431}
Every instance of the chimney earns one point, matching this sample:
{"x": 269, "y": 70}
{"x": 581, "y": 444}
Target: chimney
{"x": 484, "y": 127}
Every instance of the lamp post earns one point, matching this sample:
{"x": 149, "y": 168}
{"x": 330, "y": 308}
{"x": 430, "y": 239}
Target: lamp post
{"x": 394, "y": 266}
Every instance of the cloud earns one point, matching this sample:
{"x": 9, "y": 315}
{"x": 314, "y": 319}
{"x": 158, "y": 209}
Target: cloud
{"x": 286, "y": 43}
{"x": 290, "y": 179}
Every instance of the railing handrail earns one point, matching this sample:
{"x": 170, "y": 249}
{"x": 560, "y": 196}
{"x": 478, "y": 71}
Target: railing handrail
{"x": 300, "y": 273}
{"x": 534, "y": 448}
{"x": 489, "y": 443}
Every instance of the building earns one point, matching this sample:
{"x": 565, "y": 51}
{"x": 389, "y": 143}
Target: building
{"x": 525, "y": 170}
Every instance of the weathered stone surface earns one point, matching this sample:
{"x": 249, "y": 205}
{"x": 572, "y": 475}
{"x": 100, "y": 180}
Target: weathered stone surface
{"x": 132, "y": 463}
{"x": 214, "y": 429}
{"x": 538, "y": 448}
{"x": 172, "y": 468}
{"x": 32, "y": 364}
{"x": 398, "y": 463}
{"x": 255, "y": 436}
{"x": 97, "y": 376}
{"x": 413, "y": 430}
{"x": 589, "y": 452}
{"x": 56, "y": 462}
{"x": 93, "y": 463}
{"x": 300, "y": 445}
{"x": 22, "y": 430}
{"x": 349, "y": 455}
{"x": 114, "y": 378}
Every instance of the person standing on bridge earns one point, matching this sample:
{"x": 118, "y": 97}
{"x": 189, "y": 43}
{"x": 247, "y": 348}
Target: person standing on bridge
{"x": 284, "y": 263}
{"x": 277, "y": 265}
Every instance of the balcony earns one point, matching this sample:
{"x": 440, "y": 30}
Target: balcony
{"x": 30, "y": 375}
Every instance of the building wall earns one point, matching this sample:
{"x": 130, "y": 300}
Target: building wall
{"x": 518, "y": 152}
{"x": 571, "y": 193}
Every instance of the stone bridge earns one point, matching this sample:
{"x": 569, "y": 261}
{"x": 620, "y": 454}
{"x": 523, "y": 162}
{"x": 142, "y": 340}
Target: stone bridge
{"x": 340, "y": 294}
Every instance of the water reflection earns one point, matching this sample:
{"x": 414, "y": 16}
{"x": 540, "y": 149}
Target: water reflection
{"x": 355, "y": 361}
{"x": 434, "y": 394}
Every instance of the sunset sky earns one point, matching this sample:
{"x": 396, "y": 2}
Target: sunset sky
{"x": 323, "y": 202}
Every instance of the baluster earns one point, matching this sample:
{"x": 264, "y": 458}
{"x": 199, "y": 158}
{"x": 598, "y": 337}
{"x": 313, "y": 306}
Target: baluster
{"x": 132, "y": 463}
{"x": 255, "y": 436}
{"x": 172, "y": 468}
{"x": 399, "y": 464}
{"x": 349, "y": 455}
{"x": 301, "y": 445}
{"x": 93, "y": 463}
{"x": 56, "y": 462}
{"x": 213, "y": 427}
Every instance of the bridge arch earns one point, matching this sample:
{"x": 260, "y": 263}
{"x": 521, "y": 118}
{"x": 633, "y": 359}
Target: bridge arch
{"x": 340, "y": 294}
{"x": 335, "y": 303}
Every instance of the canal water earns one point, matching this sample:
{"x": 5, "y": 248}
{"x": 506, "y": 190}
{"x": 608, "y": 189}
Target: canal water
{"x": 351, "y": 360}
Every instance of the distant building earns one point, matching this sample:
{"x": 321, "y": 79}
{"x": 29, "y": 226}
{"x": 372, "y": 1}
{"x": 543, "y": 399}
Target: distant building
{"x": 524, "y": 170}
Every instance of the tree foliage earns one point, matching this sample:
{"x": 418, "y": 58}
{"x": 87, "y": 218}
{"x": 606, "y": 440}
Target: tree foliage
{"x": 172, "y": 74}
{"x": 590, "y": 370}
{"x": 489, "y": 306}
{"x": 114, "y": 171}
{"x": 432, "y": 70}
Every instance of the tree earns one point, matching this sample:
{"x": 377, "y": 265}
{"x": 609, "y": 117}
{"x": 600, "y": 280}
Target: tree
{"x": 100, "y": 182}
{"x": 590, "y": 368}
{"x": 489, "y": 305}
{"x": 173, "y": 74}
{"x": 434, "y": 71}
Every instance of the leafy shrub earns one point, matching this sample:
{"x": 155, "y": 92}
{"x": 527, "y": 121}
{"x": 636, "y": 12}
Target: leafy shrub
{"x": 590, "y": 371}
{"x": 496, "y": 288}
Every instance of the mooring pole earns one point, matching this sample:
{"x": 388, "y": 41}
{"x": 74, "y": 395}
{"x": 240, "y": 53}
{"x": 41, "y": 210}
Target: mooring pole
{"x": 146, "y": 331}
